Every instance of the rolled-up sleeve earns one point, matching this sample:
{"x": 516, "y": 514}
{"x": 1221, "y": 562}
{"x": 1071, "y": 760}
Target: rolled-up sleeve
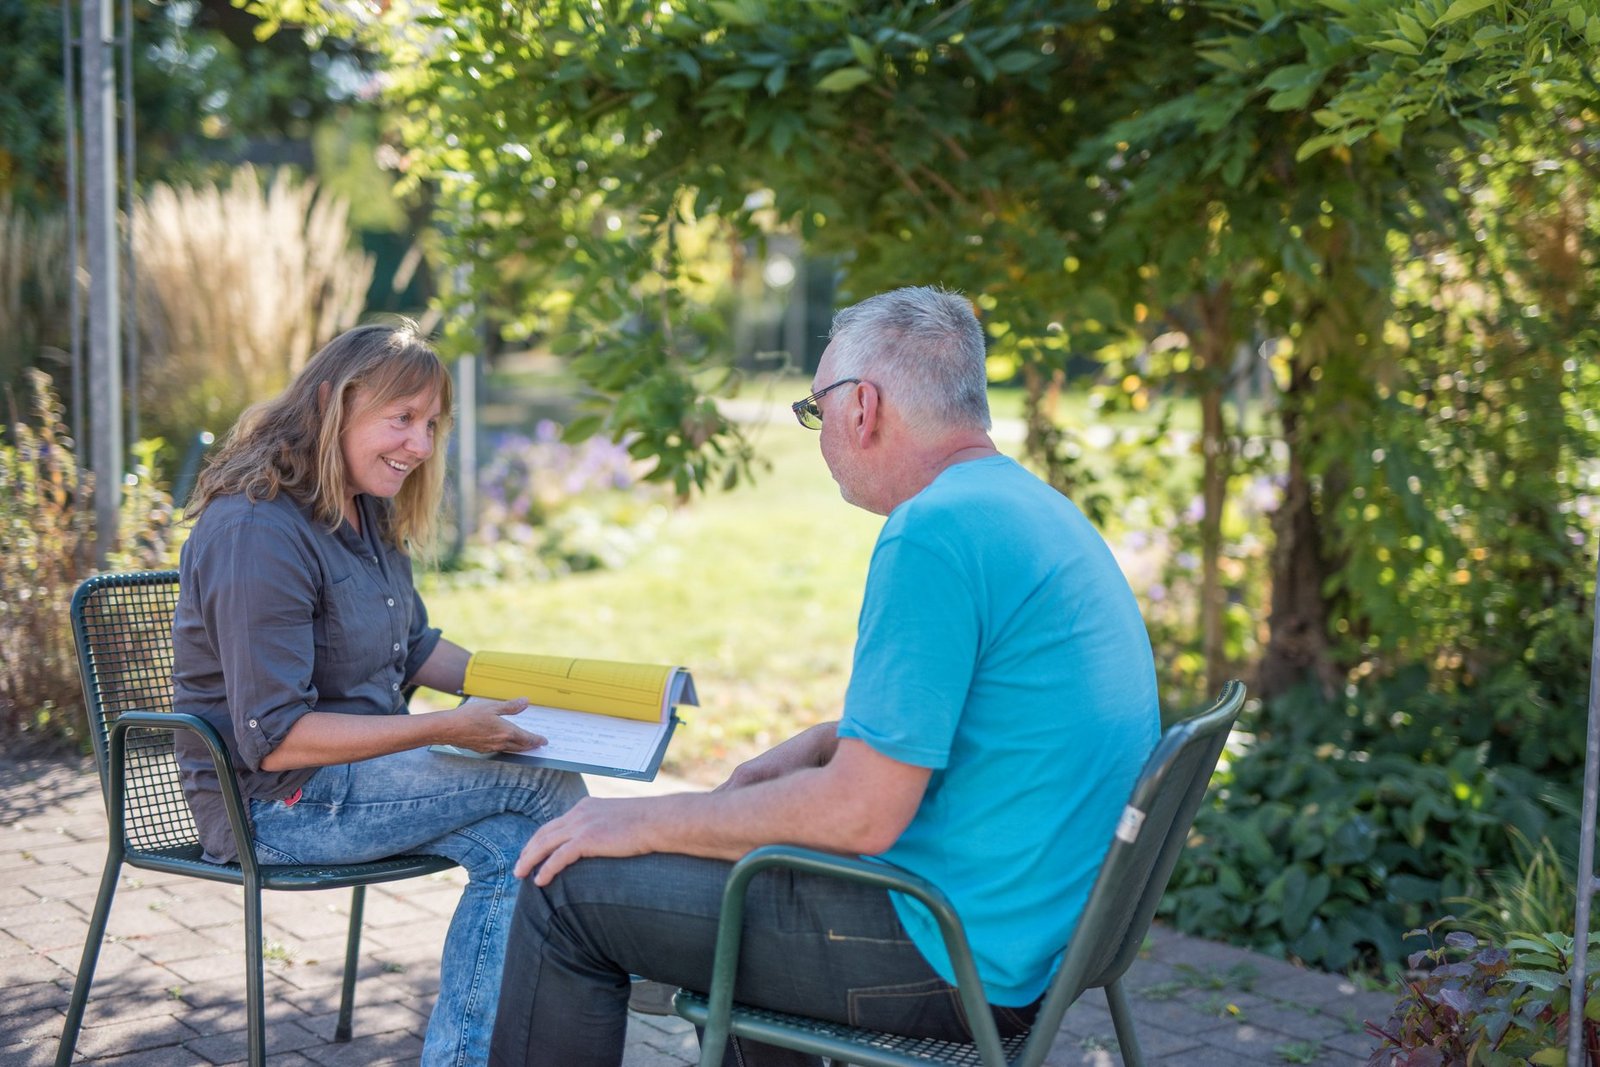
{"x": 258, "y": 597}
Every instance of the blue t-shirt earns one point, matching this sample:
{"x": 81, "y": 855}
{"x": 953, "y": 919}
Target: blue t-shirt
{"x": 1000, "y": 646}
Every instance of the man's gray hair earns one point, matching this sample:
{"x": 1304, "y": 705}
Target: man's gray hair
{"x": 923, "y": 348}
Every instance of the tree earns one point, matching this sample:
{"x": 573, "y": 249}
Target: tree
{"x": 1091, "y": 172}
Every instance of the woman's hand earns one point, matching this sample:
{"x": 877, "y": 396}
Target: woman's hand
{"x": 481, "y": 725}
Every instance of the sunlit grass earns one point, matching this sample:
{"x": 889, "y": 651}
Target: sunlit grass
{"x": 755, "y": 590}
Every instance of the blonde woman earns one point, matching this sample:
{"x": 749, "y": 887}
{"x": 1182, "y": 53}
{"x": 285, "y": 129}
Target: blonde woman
{"x": 297, "y": 631}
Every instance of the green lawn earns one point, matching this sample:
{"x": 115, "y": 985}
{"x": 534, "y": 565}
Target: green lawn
{"x": 755, "y": 590}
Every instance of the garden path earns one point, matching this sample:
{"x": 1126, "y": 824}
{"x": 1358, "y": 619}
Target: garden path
{"x": 169, "y": 987}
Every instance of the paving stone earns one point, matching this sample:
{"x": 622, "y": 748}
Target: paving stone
{"x": 137, "y": 1036}
{"x": 232, "y": 1046}
{"x": 38, "y": 913}
{"x": 1294, "y": 1020}
{"x": 132, "y": 1021}
{"x": 225, "y": 1015}
{"x": 199, "y": 904}
{"x": 368, "y": 1050}
{"x": 1248, "y": 1041}
{"x": 200, "y": 969}
{"x": 314, "y": 918}
{"x": 30, "y": 1053}
{"x": 183, "y": 944}
{"x": 32, "y": 996}
{"x": 367, "y": 1019}
{"x": 1351, "y": 1043}
{"x": 174, "y": 1056}
{"x": 27, "y": 1027}
{"x": 147, "y": 1002}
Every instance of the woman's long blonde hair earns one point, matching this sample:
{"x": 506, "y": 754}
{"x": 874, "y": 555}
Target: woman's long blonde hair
{"x": 291, "y": 444}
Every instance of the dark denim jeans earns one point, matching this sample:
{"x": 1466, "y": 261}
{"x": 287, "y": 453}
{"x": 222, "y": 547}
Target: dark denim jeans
{"x": 812, "y": 945}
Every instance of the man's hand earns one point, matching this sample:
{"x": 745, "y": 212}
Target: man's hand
{"x": 481, "y": 725}
{"x": 594, "y": 827}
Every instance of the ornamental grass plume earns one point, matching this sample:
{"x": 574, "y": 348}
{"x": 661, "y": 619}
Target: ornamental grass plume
{"x": 238, "y": 284}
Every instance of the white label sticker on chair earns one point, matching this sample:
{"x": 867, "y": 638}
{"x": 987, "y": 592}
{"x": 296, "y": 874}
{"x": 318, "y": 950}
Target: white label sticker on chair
{"x": 1128, "y": 826}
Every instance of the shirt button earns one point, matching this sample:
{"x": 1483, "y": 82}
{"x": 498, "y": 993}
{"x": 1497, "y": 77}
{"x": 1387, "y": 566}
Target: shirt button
{"x": 396, "y": 647}
{"x": 252, "y": 724}
{"x": 395, "y": 686}
{"x": 391, "y": 602}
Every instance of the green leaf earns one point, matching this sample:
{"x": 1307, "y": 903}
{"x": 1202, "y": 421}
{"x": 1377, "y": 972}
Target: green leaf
{"x": 1290, "y": 99}
{"x": 581, "y": 429}
{"x": 865, "y": 54}
{"x": 1312, "y": 146}
{"x": 844, "y": 79}
{"x": 1461, "y": 9}
{"x": 1412, "y": 29}
{"x": 985, "y": 67}
{"x": 1222, "y": 57}
{"x": 739, "y": 79}
{"x": 1549, "y": 1057}
{"x": 1292, "y": 76}
{"x": 1016, "y": 62}
{"x": 736, "y": 12}
{"x": 1545, "y": 980}
{"x": 775, "y": 79}
{"x": 1399, "y": 45}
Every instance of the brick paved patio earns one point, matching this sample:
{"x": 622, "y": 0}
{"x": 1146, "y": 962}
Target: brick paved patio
{"x": 169, "y": 989}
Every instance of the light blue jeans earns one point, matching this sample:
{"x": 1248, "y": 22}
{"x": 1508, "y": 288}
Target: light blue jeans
{"x": 477, "y": 812}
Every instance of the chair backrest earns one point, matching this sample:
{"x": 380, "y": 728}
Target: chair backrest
{"x": 1153, "y": 831}
{"x": 122, "y": 624}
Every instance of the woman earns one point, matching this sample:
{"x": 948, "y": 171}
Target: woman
{"x": 298, "y": 629}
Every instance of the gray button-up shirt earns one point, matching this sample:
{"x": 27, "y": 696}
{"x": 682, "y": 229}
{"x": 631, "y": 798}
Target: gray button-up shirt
{"x": 279, "y": 616}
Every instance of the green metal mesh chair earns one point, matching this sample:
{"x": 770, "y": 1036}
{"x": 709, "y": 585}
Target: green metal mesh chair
{"x": 1154, "y": 827}
{"x": 123, "y": 627}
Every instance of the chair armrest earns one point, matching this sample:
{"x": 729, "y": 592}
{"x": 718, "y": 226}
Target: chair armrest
{"x": 730, "y": 930}
{"x": 172, "y": 722}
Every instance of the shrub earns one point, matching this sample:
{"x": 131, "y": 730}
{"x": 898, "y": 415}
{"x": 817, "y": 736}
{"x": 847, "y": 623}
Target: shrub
{"x": 548, "y": 508}
{"x": 1538, "y": 891}
{"x": 47, "y": 548}
{"x": 1323, "y": 842}
{"x": 1481, "y": 1006}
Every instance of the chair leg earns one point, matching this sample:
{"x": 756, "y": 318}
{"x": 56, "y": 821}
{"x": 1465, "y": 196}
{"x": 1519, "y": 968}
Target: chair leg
{"x": 352, "y": 951}
{"x": 1122, "y": 1019}
{"x": 254, "y": 977}
{"x": 91, "y": 957}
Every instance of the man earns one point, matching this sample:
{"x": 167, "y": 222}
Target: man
{"x": 1001, "y": 703}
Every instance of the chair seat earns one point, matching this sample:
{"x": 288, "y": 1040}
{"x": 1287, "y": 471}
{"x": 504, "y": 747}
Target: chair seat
{"x": 185, "y": 859}
{"x": 844, "y": 1040}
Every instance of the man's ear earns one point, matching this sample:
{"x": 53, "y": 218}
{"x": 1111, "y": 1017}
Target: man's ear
{"x": 867, "y": 414}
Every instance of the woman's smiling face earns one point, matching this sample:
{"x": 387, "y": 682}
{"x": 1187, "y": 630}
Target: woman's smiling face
{"x": 383, "y": 443}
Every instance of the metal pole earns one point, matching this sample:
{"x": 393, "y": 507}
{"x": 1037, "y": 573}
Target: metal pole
{"x": 1577, "y": 1055}
{"x": 466, "y": 450}
{"x": 69, "y": 70}
{"x": 100, "y": 198}
{"x": 131, "y": 319}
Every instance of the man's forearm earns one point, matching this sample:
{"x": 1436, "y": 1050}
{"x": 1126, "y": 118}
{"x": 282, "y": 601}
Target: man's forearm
{"x": 809, "y": 807}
